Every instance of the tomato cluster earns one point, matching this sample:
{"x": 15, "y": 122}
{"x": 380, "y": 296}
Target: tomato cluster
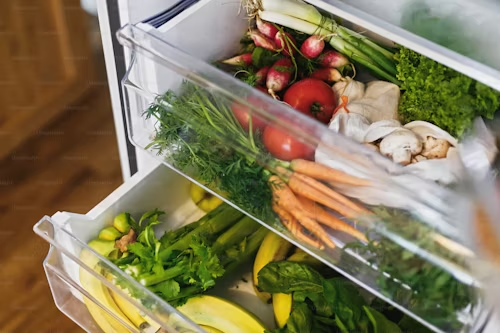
{"x": 312, "y": 97}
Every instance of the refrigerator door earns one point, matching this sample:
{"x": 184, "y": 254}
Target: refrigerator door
{"x": 112, "y": 15}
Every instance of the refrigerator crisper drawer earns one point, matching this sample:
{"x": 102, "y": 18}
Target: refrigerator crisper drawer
{"x": 75, "y": 271}
{"x": 419, "y": 219}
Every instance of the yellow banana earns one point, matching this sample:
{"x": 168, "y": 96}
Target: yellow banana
{"x": 273, "y": 248}
{"x": 141, "y": 322}
{"x": 210, "y": 329}
{"x": 203, "y": 199}
{"x": 107, "y": 323}
{"x": 282, "y": 303}
{"x": 303, "y": 257}
{"x": 221, "y": 314}
{"x": 100, "y": 292}
{"x": 282, "y": 306}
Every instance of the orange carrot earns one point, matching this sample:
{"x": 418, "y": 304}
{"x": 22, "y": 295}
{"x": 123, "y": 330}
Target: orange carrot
{"x": 295, "y": 228}
{"x": 314, "y": 184}
{"x": 284, "y": 197}
{"x": 315, "y": 191}
{"x": 322, "y": 172}
{"x": 323, "y": 217}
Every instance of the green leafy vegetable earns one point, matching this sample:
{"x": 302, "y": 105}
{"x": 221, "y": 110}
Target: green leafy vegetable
{"x": 440, "y": 95}
{"x": 262, "y": 57}
{"x": 195, "y": 122}
{"x": 184, "y": 262}
{"x": 286, "y": 277}
{"x": 380, "y": 323}
{"x": 435, "y": 294}
{"x": 300, "y": 320}
{"x": 168, "y": 289}
{"x": 321, "y": 305}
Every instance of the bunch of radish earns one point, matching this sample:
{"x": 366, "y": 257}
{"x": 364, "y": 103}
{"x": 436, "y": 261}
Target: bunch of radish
{"x": 300, "y": 75}
{"x": 283, "y": 72}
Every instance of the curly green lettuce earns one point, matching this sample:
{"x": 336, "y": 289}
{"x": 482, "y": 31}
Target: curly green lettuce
{"x": 440, "y": 95}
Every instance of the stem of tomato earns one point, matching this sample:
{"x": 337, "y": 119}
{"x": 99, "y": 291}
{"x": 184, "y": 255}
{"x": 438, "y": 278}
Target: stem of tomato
{"x": 316, "y": 109}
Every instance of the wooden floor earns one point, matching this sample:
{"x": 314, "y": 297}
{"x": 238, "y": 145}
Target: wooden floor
{"x": 69, "y": 165}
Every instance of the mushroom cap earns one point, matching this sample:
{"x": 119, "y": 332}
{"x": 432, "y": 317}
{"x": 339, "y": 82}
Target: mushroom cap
{"x": 401, "y": 139}
{"x": 381, "y": 129}
{"x": 435, "y": 148}
{"x": 401, "y": 156}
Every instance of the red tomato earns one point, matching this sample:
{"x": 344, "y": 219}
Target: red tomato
{"x": 284, "y": 146}
{"x": 313, "y": 97}
{"x": 242, "y": 113}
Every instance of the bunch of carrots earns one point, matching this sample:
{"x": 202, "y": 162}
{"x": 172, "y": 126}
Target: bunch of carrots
{"x": 301, "y": 197}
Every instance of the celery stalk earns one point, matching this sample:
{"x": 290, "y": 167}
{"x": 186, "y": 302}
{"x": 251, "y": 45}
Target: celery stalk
{"x": 235, "y": 234}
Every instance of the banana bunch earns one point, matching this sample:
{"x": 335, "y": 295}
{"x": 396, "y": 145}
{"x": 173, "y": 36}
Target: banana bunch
{"x": 203, "y": 199}
{"x": 125, "y": 316}
{"x": 275, "y": 248}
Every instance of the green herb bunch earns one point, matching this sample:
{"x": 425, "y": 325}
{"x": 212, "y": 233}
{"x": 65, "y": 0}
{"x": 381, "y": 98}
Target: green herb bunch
{"x": 194, "y": 125}
{"x": 188, "y": 261}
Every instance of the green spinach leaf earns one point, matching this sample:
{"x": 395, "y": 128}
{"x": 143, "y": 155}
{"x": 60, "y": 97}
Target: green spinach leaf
{"x": 286, "y": 277}
{"x": 300, "y": 320}
{"x": 380, "y": 323}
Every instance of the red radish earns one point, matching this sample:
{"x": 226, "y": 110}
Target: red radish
{"x": 312, "y": 47}
{"x": 262, "y": 41}
{"x": 287, "y": 43}
{"x": 243, "y": 113}
{"x": 332, "y": 59}
{"x": 279, "y": 76}
{"x": 266, "y": 28}
{"x": 261, "y": 75}
{"x": 327, "y": 74}
{"x": 240, "y": 60}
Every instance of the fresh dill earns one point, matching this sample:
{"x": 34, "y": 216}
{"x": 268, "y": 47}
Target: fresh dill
{"x": 194, "y": 124}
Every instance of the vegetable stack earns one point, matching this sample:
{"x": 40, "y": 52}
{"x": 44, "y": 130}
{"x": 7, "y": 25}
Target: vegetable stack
{"x": 186, "y": 262}
{"x": 293, "y": 53}
{"x": 286, "y": 187}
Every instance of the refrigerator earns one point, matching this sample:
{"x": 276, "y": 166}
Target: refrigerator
{"x": 153, "y": 46}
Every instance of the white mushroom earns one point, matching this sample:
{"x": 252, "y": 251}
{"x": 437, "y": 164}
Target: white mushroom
{"x": 401, "y": 156}
{"x": 401, "y": 145}
{"x": 435, "y": 148}
{"x": 381, "y": 129}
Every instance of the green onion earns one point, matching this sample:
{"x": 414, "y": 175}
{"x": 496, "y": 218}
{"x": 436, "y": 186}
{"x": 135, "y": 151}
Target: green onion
{"x": 307, "y": 19}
